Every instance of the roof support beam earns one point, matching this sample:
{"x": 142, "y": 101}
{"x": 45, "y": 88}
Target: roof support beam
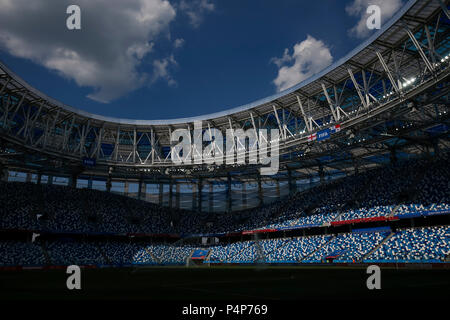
{"x": 4, "y": 86}
{"x": 254, "y": 127}
{"x": 338, "y": 102}
{"x": 29, "y": 130}
{"x": 134, "y": 144}
{"x": 99, "y": 142}
{"x": 358, "y": 89}
{"x": 16, "y": 110}
{"x": 330, "y": 103}
{"x": 283, "y": 132}
{"x": 67, "y": 132}
{"x": 85, "y": 132}
{"x": 49, "y": 130}
{"x": 444, "y": 8}
{"x": 433, "y": 54}
{"x": 305, "y": 118}
{"x": 419, "y": 49}
{"x": 152, "y": 141}
{"x": 6, "y": 112}
{"x": 388, "y": 72}
{"x": 116, "y": 149}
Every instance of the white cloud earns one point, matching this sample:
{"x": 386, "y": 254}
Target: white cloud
{"x": 196, "y": 9}
{"x": 358, "y": 9}
{"x": 105, "y": 54}
{"x": 178, "y": 43}
{"x": 309, "y": 57}
{"x": 161, "y": 70}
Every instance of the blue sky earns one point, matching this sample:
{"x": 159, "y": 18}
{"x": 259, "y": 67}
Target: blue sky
{"x": 179, "y": 58}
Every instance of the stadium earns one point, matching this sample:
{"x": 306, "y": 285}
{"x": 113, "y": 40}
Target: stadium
{"x": 363, "y": 179}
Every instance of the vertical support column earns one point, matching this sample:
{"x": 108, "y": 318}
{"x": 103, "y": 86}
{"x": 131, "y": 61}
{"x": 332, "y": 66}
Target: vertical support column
{"x": 108, "y": 184}
{"x": 211, "y": 197}
{"x": 139, "y": 190}
{"x": 90, "y": 183}
{"x": 72, "y": 180}
{"x": 126, "y": 188}
{"x": 177, "y": 195}
{"x": 194, "y": 197}
{"x": 170, "y": 193}
{"x": 292, "y": 183}
{"x": 49, "y": 180}
{"x": 321, "y": 174}
{"x": 229, "y": 200}
{"x": 199, "y": 198}
{"x": 144, "y": 191}
{"x": 28, "y": 177}
{"x": 244, "y": 195}
{"x": 142, "y": 187}
{"x": 436, "y": 146}
{"x": 260, "y": 191}
{"x": 39, "y": 178}
{"x": 356, "y": 165}
{"x": 160, "y": 200}
{"x": 277, "y": 182}
{"x": 393, "y": 156}
{"x": 3, "y": 173}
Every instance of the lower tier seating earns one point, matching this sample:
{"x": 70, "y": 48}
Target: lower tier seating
{"x": 425, "y": 244}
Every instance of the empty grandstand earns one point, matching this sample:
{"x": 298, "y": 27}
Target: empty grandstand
{"x": 363, "y": 177}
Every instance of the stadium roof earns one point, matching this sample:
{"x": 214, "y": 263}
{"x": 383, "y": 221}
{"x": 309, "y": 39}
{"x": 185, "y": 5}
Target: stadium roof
{"x": 362, "y": 56}
{"x": 385, "y": 93}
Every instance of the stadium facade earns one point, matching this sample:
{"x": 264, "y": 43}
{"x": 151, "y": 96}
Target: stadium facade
{"x": 354, "y": 141}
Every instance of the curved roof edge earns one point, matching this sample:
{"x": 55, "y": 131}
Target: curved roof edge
{"x": 123, "y": 121}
